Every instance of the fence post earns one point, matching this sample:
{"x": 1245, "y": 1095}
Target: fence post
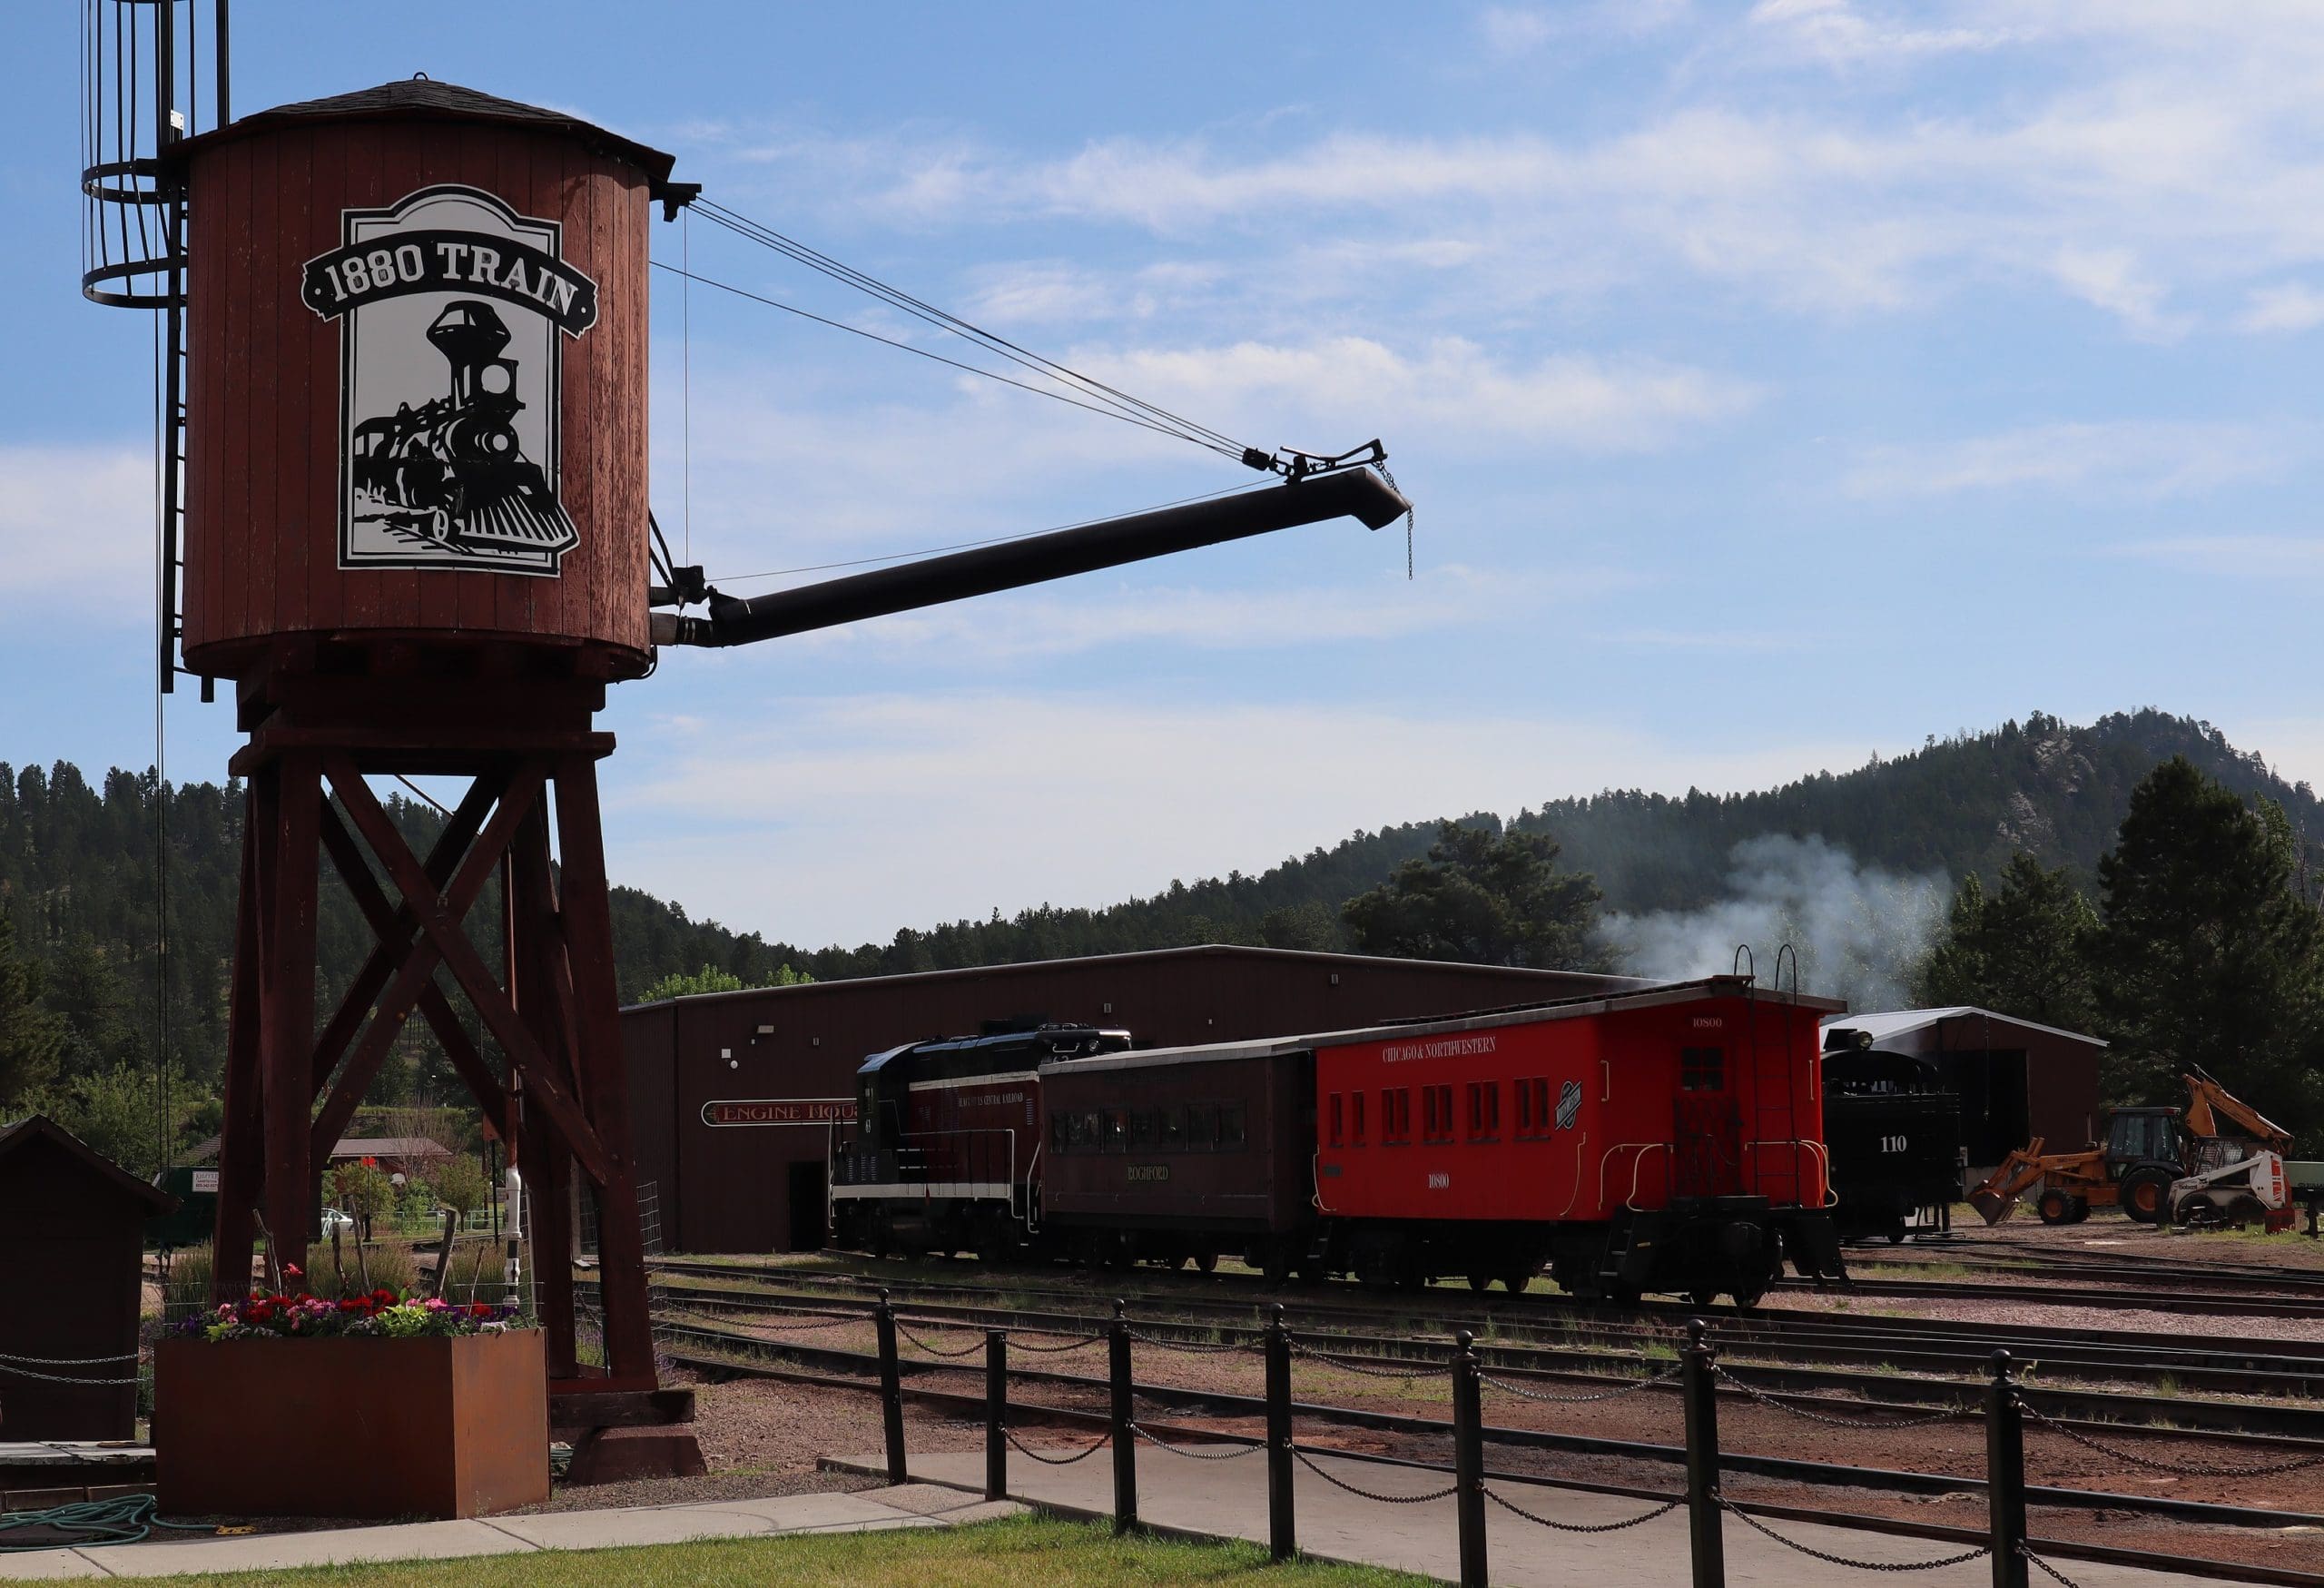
{"x": 1283, "y": 1538}
{"x": 1706, "y": 1526}
{"x": 1125, "y": 1413}
{"x": 2005, "y": 1476}
{"x": 1469, "y": 1461}
{"x": 996, "y": 1415}
{"x": 891, "y": 1392}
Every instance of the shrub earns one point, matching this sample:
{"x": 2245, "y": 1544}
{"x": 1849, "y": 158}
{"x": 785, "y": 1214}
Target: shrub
{"x": 187, "y": 1289}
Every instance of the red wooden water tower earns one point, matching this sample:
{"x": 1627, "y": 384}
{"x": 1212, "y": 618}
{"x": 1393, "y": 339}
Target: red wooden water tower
{"x": 411, "y": 391}
{"x": 415, "y": 540}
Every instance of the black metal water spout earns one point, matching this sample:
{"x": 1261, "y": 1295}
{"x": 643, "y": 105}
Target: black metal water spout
{"x": 1357, "y": 493}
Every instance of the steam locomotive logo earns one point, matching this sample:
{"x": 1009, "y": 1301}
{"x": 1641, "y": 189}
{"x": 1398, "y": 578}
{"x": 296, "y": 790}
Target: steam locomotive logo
{"x": 453, "y": 311}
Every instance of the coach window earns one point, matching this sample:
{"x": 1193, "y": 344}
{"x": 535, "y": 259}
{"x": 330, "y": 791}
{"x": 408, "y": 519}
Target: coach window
{"x": 1524, "y": 1108}
{"x": 1141, "y": 1127}
{"x": 1060, "y": 1131}
{"x": 1116, "y": 1132}
{"x": 1438, "y": 1116}
{"x": 1172, "y": 1126}
{"x": 1702, "y": 1070}
{"x": 1231, "y": 1128}
{"x": 1484, "y": 1110}
{"x": 1356, "y": 1124}
{"x": 1339, "y": 1133}
{"x": 1202, "y": 1126}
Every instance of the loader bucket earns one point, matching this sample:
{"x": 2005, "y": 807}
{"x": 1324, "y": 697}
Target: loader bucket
{"x": 1991, "y": 1206}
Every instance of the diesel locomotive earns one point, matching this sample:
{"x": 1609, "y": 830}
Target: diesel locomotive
{"x": 1667, "y": 1139}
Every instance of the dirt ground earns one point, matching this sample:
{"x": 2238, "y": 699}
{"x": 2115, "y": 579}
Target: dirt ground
{"x": 2106, "y": 1234}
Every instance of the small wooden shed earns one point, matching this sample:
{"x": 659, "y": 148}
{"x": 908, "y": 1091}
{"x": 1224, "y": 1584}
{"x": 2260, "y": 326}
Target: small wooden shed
{"x": 73, "y": 1248}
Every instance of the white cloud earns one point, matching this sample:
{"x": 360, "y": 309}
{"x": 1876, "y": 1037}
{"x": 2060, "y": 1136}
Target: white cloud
{"x": 2249, "y": 556}
{"x": 2291, "y": 307}
{"x": 2118, "y": 458}
{"x": 75, "y": 518}
{"x": 2112, "y": 280}
{"x": 1839, "y": 34}
{"x": 1452, "y": 392}
{"x": 1510, "y": 30}
{"x": 858, "y": 815}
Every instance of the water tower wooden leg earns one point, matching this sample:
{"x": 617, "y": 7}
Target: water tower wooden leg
{"x": 587, "y": 918}
{"x": 242, "y": 1165}
{"x": 287, "y": 1022}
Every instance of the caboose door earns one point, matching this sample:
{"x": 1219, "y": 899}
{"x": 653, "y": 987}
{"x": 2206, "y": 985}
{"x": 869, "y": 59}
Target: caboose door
{"x": 1707, "y": 1141}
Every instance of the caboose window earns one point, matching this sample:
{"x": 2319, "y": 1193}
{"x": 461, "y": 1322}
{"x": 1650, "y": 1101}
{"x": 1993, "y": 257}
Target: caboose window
{"x": 1357, "y": 1124}
{"x": 1702, "y": 1069}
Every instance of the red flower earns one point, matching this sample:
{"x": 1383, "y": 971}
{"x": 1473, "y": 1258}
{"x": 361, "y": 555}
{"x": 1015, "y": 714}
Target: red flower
{"x": 384, "y": 1297}
{"x": 354, "y": 1304}
{"x": 479, "y": 1309}
{"x": 259, "y": 1313}
{"x": 292, "y": 1270}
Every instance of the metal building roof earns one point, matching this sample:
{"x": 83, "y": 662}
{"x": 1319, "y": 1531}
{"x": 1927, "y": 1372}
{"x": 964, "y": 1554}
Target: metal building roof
{"x": 1887, "y": 1025}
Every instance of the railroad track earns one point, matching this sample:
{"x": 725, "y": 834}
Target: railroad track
{"x": 714, "y": 1352}
{"x": 2007, "y": 1257}
{"x": 2277, "y": 1368}
{"x": 1885, "y": 1376}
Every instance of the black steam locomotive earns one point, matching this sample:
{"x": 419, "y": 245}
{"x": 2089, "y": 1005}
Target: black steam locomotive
{"x": 1894, "y": 1136}
{"x": 452, "y": 468}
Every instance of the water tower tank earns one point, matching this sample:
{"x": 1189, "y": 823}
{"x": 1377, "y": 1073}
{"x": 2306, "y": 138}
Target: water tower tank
{"x": 416, "y": 383}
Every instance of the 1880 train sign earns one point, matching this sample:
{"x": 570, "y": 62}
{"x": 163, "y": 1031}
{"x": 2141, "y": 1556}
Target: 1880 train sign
{"x": 453, "y": 309}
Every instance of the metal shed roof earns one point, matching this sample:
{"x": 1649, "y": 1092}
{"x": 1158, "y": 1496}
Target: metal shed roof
{"x": 1887, "y": 1025}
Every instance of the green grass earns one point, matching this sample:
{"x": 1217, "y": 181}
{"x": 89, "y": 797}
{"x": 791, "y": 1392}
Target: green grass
{"x": 993, "y": 1554}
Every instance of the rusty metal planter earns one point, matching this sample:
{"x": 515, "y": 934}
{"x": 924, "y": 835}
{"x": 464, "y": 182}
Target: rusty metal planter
{"x": 351, "y": 1426}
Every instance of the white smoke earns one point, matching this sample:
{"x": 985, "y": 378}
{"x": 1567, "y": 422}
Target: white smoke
{"x": 1858, "y": 930}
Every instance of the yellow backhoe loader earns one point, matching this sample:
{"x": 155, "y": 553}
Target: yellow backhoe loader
{"x": 2219, "y": 1162}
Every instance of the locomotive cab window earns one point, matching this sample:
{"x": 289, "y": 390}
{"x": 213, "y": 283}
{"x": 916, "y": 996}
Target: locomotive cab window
{"x": 1702, "y": 1070}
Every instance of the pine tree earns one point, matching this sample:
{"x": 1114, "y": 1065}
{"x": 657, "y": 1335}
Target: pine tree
{"x": 32, "y": 1038}
{"x": 1484, "y": 897}
{"x": 2208, "y": 956}
{"x": 2023, "y": 950}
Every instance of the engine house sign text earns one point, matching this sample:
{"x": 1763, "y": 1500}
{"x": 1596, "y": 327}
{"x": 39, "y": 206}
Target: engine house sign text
{"x": 780, "y": 1111}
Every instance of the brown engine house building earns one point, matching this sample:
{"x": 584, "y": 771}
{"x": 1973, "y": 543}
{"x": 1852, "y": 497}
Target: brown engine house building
{"x": 734, "y": 1095}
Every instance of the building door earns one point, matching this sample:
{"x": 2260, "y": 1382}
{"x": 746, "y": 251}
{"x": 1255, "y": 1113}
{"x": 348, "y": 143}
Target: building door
{"x": 809, "y": 1205}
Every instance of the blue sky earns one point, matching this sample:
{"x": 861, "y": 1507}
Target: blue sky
{"x": 1778, "y": 384}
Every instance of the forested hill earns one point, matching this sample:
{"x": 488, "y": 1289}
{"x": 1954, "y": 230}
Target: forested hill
{"x": 76, "y": 875}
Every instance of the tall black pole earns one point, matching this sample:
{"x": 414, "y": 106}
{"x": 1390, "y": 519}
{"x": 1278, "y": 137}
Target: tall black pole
{"x": 1125, "y": 1415}
{"x": 892, "y": 1389}
{"x": 1698, "y": 1388}
{"x": 2005, "y": 1476}
{"x": 1469, "y": 1461}
{"x": 1283, "y": 1534}
{"x": 996, "y": 1415}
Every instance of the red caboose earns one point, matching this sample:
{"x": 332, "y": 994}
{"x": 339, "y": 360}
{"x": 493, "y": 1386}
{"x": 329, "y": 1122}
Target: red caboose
{"x": 1670, "y": 1138}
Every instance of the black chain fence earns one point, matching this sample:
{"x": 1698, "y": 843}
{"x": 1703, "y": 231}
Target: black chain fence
{"x": 1084, "y": 1453}
{"x": 1516, "y": 1510}
{"x": 1584, "y": 1398}
{"x": 1757, "y": 1526}
{"x": 2155, "y": 1464}
{"x": 1443, "y": 1493}
{"x": 1192, "y": 1454}
{"x": 1791, "y": 1409}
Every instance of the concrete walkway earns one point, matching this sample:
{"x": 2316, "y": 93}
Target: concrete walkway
{"x": 1229, "y": 1499}
{"x": 875, "y": 1510}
